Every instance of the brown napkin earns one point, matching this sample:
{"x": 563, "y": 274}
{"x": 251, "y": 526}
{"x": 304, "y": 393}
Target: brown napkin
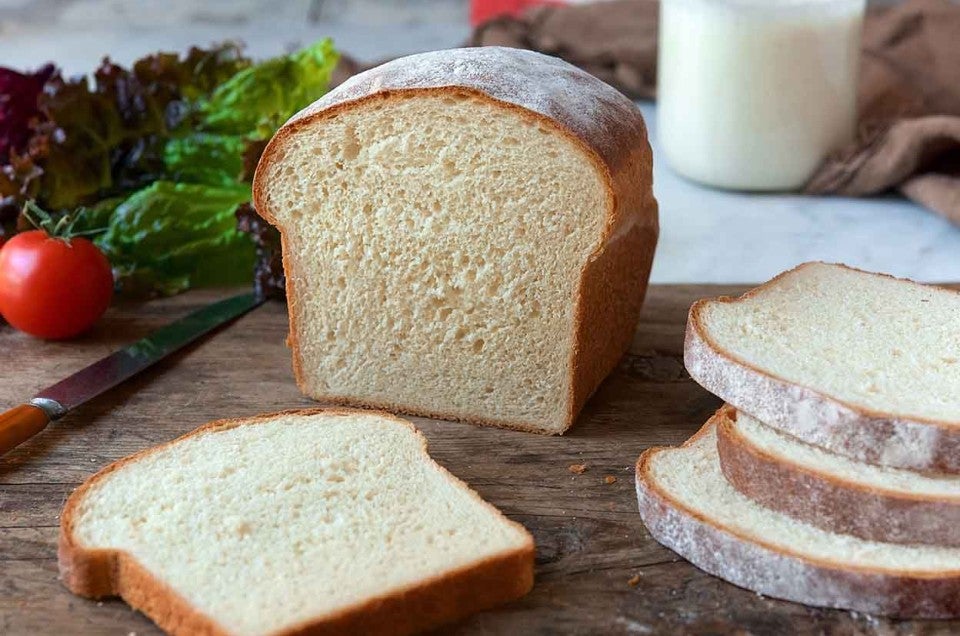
{"x": 909, "y": 86}
{"x": 909, "y": 110}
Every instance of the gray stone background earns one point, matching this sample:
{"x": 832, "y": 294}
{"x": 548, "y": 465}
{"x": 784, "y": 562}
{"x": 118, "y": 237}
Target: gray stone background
{"x": 77, "y": 33}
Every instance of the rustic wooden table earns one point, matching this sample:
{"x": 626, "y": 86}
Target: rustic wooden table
{"x": 598, "y": 572}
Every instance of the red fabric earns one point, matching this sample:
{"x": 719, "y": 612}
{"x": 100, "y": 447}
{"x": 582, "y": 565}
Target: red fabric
{"x": 483, "y": 10}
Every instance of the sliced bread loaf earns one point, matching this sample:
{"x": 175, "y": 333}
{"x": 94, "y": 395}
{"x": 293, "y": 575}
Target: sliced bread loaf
{"x": 864, "y": 365}
{"x": 467, "y": 234}
{"x": 313, "y": 522}
{"x": 836, "y": 493}
{"x": 689, "y": 507}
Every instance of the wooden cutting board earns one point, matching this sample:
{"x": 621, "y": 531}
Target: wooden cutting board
{"x": 598, "y": 572}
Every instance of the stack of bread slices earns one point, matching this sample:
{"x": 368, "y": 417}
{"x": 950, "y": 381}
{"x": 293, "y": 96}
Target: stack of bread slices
{"x": 832, "y": 475}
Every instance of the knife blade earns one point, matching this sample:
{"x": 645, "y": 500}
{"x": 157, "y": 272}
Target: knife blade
{"x": 23, "y": 422}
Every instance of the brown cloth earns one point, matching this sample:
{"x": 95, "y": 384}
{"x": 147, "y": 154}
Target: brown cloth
{"x": 616, "y": 40}
{"x": 909, "y": 87}
{"x": 909, "y": 110}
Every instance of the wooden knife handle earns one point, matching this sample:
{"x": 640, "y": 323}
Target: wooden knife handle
{"x": 20, "y": 424}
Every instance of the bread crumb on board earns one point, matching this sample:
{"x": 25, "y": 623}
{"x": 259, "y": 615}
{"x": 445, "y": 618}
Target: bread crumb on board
{"x": 609, "y": 479}
{"x": 578, "y": 469}
{"x": 634, "y": 580}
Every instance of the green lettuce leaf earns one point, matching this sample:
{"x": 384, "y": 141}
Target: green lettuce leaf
{"x": 257, "y": 100}
{"x": 206, "y": 158}
{"x": 169, "y": 237}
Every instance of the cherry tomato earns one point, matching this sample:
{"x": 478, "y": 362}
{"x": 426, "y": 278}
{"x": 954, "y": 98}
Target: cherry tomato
{"x": 53, "y": 288}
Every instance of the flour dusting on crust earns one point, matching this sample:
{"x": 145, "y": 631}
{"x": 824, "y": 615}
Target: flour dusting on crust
{"x": 688, "y": 506}
{"x": 592, "y": 110}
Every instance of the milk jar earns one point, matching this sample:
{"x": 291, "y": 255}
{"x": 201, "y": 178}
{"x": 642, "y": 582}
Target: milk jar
{"x": 754, "y": 94}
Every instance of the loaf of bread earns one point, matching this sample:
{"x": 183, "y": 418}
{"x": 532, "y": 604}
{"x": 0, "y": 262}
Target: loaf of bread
{"x": 312, "y": 522}
{"x": 864, "y": 365}
{"x": 688, "y": 506}
{"x": 836, "y": 493}
{"x": 467, "y": 234}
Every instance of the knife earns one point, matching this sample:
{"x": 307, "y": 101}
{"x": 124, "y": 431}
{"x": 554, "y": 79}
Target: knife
{"x": 23, "y": 422}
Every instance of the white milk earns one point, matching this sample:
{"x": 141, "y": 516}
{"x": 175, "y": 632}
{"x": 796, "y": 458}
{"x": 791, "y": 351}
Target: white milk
{"x": 754, "y": 94}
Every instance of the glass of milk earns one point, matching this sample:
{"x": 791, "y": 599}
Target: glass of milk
{"x": 754, "y": 94}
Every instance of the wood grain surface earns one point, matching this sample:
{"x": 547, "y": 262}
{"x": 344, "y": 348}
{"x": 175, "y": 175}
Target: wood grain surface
{"x": 598, "y": 572}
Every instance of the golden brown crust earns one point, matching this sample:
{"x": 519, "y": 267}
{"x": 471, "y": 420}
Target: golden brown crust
{"x": 456, "y": 595}
{"x": 643, "y": 475}
{"x": 613, "y": 283}
{"x": 847, "y": 429}
{"x": 832, "y": 502}
{"x": 611, "y": 294}
{"x": 773, "y": 571}
{"x": 98, "y": 573}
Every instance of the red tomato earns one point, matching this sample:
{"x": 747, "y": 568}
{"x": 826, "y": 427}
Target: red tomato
{"x": 51, "y": 288}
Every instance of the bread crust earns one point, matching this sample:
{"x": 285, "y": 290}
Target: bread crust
{"x": 770, "y": 570}
{"x": 887, "y": 439}
{"x": 99, "y": 573}
{"x": 613, "y": 138}
{"x": 830, "y": 502}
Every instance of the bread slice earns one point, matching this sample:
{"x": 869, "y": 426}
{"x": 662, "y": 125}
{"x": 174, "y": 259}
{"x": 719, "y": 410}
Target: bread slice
{"x": 467, "y": 235}
{"x": 311, "y": 522}
{"x": 833, "y": 492}
{"x": 689, "y": 507}
{"x": 864, "y": 365}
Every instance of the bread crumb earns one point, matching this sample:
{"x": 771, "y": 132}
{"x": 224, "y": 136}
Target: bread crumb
{"x": 578, "y": 469}
{"x": 609, "y": 479}
{"x": 634, "y": 580}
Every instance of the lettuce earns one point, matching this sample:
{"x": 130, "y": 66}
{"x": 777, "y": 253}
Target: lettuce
{"x": 99, "y": 138}
{"x": 19, "y": 93}
{"x": 258, "y": 100}
{"x": 18, "y": 107}
{"x": 160, "y": 155}
{"x": 206, "y": 158}
{"x": 169, "y": 237}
